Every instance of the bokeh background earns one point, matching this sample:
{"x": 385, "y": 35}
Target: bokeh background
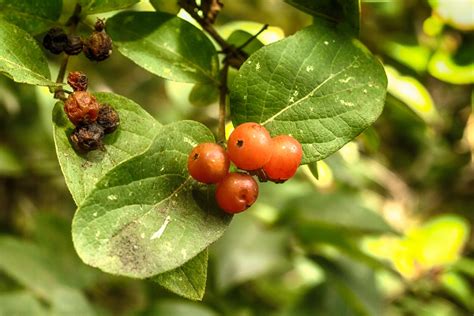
{"x": 383, "y": 227}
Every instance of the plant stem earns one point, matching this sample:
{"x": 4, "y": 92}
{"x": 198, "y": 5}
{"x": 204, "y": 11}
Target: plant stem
{"x": 235, "y": 57}
{"x": 222, "y": 103}
{"x": 59, "y": 91}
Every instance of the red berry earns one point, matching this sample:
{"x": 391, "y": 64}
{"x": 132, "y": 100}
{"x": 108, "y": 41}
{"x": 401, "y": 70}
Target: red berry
{"x": 286, "y": 157}
{"x": 81, "y": 108}
{"x": 77, "y": 80}
{"x": 208, "y": 163}
{"x": 249, "y": 146}
{"x": 236, "y": 192}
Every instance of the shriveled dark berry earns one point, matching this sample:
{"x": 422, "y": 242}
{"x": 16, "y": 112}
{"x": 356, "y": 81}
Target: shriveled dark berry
{"x": 88, "y": 137}
{"x": 99, "y": 25}
{"x": 77, "y": 80}
{"x": 55, "y": 40}
{"x": 81, "y": 108}
{"x": 74, "y": 45}
{"x": 108, "y": 118}
{"x": 98, "y": 46}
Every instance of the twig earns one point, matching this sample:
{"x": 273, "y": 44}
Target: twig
{"x": 222, "y": 102}
{"x": 235, "y": 57}
{"x": 59, "y": 92}
{"x": 249, "y": 40}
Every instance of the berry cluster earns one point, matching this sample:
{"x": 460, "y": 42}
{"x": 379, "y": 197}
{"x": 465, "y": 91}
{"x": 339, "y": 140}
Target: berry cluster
{"x": 92, "y": 120}
{"x": 97, "y": 47}
{"x": 255, "y": 152}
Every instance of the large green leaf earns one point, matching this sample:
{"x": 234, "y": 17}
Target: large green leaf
{"x": 21, "y": 57}
{"x": 179, "y": 308}
{"x": 165, "y": 45}
{"x": 99, "y": 6}
{"x": 188, "y": 280}
{"x": 31, "y": 266}
{"x": 319, "y": 85}
{"x": 342, "y": 210}
{"x": 247, "y": 251}
{"x": 20, "y": 303}
{"x": 349, "y": 290}
{"x": 340, "y": 11}
{"x": 147, "y": 216}
{"x": 82, "y": 171}
{"x": 31, "y": 15}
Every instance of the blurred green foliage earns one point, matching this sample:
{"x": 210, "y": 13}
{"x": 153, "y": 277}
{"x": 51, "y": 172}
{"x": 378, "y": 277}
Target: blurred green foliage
{"x": 384, "y": 227}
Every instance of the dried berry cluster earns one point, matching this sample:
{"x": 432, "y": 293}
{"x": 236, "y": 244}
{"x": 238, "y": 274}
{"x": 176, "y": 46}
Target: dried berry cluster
{"x": 92, "y": 120}
{"x": 251, "y": 149}
{"x": 97, "y": 47}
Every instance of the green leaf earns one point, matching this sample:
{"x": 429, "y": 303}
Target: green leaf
{"x": 247, "y": 251}
{"x": 68, "y": 301}
{"x": 342, "y": 210}
{"x": 340, "y": 11}
{"x": 31, "y": 266}
{"x": 165, "y": 45}
{"x": 20, "y": 303}
{"x": 21, "y": 57}
{"x": 99, "y": 6}
{"x": 239, "y": 37}
{"x": 33, "y": 16}
{"x": 319, "y": 85}
{"x": 180, "y": 308}
{"x": 188, "y": 280}
{"x": 444, "y": 67}
{"x": 82, "y": 171}
{"x": 411, "y": 92}
{"x": 147, "y": 216}
{"x": 350, "y": 290}
{"x": 203, "y": 94}
{"x": 166, "y": 6}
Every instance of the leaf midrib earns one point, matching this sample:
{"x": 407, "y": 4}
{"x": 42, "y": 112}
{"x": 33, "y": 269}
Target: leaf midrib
{"x": 311, "y": 93}
{"x": 186, "y": 61}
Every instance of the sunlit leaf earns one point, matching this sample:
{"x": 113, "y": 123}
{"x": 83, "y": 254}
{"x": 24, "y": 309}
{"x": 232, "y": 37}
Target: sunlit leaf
{"x": 457, "y": 13}
{"x": 418, "y": 251}
{"x": 411, "y": 92}
{"x": 443, "y": 67}
{"x": 413, "y": 56}
{"x": 319, "y": 85}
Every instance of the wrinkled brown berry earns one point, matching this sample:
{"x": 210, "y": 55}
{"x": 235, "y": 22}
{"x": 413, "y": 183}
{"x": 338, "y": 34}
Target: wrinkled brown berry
{"x": 98, "y": 46}
{"x": 108, "y": 118}
{"x": 55, "y": 40}
{"x": 99, "y": 25}
{"x": 74, "y": 45}
{"x": 88, "y": 137}
{"x": 81, "y": 108}
{"x": 77, "y": 80}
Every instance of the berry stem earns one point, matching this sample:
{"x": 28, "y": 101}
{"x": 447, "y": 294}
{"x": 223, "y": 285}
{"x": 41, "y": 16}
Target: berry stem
{"x": 222, "y": 102}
